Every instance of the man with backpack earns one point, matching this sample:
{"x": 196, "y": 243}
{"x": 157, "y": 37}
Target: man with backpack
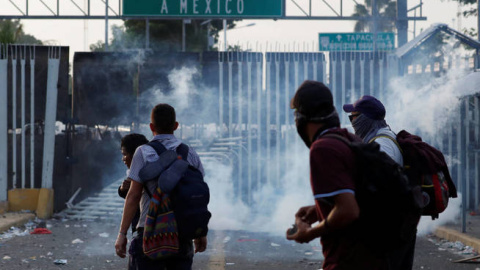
{"x": 367, "y": 116}
{"x": 332, "y": 177}
{"x": 163, "y": 124}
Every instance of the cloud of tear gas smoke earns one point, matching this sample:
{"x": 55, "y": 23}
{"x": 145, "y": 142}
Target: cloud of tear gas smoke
{"x": 272, "y": 206}
{"x": 426, "y": 103}
{"x": 427, "y": 110}
{"x": 427, "y": 225}
{"x": 181, "y": 80}
{"x": 276, "y": 204}
{"x": 228, "y": 211}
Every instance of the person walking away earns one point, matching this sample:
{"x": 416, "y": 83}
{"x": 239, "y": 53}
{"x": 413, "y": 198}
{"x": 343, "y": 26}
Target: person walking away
{"x": 163, "y": 124}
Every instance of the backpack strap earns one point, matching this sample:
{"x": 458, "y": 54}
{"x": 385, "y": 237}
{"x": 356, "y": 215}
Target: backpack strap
{"x": 159, "y": 148}
{"x": 182, "y": 150}
{"x": 388, "y": 137}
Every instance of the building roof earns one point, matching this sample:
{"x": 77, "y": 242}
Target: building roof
{"x": 431, "y": 32}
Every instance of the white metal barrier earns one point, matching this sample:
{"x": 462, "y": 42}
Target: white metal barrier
{"x": 16, "y": 63}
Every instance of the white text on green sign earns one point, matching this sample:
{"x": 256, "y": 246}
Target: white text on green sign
{"x": 356, "y": 41}
{"x": 204, "y": 8}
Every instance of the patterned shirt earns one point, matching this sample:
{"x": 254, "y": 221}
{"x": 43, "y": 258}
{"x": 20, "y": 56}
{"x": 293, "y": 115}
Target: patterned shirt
{"x": 146, "y": 153}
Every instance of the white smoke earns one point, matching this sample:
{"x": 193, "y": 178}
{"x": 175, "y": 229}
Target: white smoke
{"x": 281, "y": 201}
{"x": 183, "y": 86}
{"x": 228, "y": 212}
{"x": 182, "y": 81}
{"x": 431, "y": 108}
{"x": 428, "y": 111}
{"x": 452, "y": 213}
{"x": 273, "y": 205}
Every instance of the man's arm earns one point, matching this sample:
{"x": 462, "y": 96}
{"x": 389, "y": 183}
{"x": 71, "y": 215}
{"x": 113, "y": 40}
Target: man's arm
{"x": 129, "y": 210}
{"x": 344, "y": 212}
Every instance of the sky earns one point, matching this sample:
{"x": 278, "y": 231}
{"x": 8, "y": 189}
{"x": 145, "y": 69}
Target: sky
{"x": 263, "y": 34}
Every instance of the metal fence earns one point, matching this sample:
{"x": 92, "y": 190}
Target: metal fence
{"x": 21, "y": 126}
{"x": 256, "y": 127}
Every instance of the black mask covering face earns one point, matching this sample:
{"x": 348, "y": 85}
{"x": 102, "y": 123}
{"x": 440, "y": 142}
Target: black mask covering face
{"x": 331, "y": 120}
{"x": 301, "y": 124}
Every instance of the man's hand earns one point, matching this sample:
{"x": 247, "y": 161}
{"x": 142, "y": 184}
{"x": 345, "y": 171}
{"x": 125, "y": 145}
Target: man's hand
{"x": 307, "y": 214}
{"x": 200, "y": 244}
{"x": 121, "y": 246}
{"x": 303, "y": 234}
{"x": 125, "y": 185}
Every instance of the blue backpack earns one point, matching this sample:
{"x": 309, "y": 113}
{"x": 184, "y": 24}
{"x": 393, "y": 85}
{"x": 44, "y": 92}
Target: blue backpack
{"x": 189, "y": 193}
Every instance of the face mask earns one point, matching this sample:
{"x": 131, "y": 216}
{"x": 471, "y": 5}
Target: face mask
{"x": 301, "y": 124}
{"x": 330, "y": 120}
{"x": 364, "y": 126}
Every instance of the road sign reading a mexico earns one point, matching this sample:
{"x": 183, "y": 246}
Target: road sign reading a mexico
{"x": 205, "y": 8}
{"x": 356, "y": 41}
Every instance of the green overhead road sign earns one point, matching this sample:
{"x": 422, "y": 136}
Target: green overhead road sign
{"x": 356, "y": 41}
{"x": 205, "y": 8}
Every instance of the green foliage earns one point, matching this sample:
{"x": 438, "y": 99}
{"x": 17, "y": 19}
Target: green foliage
{"x": 471, "y": 11}
{"x": 467, "y": 2}
{"x": 165, "y": 35}
{"x": 11, "y": 32}
{"x": 386, "y": 8}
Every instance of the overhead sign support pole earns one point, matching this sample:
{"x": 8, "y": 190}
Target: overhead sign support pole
{"x": 106, "y": 25}
{"x": 402, "y": 22}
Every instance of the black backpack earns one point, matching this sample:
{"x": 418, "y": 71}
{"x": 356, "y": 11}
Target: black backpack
{"x": 389, "y": 204}
{"x": 190, "y": 198}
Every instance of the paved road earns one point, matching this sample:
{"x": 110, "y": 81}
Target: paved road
{"x": 89, "y": 245}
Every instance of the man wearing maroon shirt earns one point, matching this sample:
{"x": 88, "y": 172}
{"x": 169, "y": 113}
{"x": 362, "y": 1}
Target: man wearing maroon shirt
{"x": 332, "y": 167}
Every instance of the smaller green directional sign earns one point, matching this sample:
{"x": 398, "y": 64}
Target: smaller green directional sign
{"x": 356, "y": 41}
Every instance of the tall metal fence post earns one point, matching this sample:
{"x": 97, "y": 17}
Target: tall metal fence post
{"x": 3, "y": 122}
{"x": 50, "y": 117}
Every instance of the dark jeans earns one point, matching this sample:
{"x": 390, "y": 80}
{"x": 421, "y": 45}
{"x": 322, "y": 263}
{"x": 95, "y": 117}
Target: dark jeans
{"x": 402, "y": 258}
{"x": 139, "y": 261}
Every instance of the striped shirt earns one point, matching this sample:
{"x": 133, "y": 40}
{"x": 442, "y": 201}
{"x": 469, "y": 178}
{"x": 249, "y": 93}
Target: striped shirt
{"x": 146, "y": 153}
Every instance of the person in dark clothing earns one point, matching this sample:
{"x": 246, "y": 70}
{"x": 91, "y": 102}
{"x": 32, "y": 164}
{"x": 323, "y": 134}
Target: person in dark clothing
{"x": 128, "y": 146}
{"x": 367, "y": 116}
{"x": 332, "y": 172}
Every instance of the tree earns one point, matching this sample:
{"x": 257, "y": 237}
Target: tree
{"x": 11, "y": 32}
{"x": 472, "y": 11}
{"x": 165, "y": 35}
{"x": 386, "y": 8}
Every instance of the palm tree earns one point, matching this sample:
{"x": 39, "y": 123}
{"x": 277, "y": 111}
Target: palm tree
{"x": 386, "y": 8}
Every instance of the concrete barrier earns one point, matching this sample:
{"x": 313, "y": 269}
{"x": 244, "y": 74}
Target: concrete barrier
{"x": 38, "y": 200}
{"x": 23, "y": 199}
{"x": 45, "y": 203}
